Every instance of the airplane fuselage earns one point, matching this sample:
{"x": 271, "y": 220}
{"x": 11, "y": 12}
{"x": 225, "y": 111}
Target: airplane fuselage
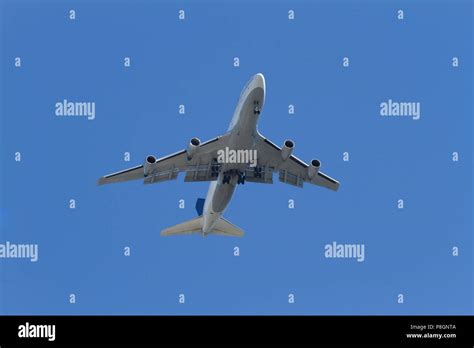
{"x": 242, "y": 130}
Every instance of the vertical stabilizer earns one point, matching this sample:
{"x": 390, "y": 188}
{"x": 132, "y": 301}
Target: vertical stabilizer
{"x": 200, "y": 206}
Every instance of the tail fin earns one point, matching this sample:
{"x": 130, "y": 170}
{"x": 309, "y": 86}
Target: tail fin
{"x": 200, "y": 205}
{"x": 222, "y": 227}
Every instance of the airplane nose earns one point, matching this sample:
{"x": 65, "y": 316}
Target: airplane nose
{"x": 259, "y": 80}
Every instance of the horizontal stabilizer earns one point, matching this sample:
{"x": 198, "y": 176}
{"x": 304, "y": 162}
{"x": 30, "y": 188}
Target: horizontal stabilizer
{"x": 225, "y": 228}
{"x": 188, "y": 227}
{"x": 222, "y": 227}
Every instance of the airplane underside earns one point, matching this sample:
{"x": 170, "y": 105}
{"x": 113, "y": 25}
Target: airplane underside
{"x": 215, "y": 161}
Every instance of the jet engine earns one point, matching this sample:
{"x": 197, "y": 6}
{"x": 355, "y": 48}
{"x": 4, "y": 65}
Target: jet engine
{"x": 149, "y": 165}
{"x": 192, "y": 147}
{"x": 313, "y": 168}
{"x": 287, "y": 149}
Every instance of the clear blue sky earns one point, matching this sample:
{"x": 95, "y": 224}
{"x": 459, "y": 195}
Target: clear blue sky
{"x": 189, "y": 62}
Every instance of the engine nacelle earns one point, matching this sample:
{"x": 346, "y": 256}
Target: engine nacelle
{"x": 192, "y": 147}
{"x": 313, "y": 168}
{"x": 149, "y": 165}
{"x": 287, "y": 149}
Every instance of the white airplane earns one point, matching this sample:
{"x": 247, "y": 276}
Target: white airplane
{"x": 200, "y": 162}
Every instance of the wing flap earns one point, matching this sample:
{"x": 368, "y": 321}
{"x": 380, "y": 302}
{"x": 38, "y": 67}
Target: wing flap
{"x": 289, "y": 178}
{"x": 202, "y": 166}
{"x": 263, "y": 175}
{"x": 324, "y": 180}
{"x": 202, "y": 172}
{"x": 293, "y": 171}
{"x": 160, "y": 176}
{"x": 124, "y": 175}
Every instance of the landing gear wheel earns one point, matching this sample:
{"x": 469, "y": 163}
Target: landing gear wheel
{"x": 226, "y": 179}
{"x": 256, "y": 107}
{"x": 241, "y": 179}
{"x": 214, "y": 171}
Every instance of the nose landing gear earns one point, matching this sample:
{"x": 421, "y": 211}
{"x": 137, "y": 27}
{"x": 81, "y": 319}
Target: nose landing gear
{"x": 256, "y": 107}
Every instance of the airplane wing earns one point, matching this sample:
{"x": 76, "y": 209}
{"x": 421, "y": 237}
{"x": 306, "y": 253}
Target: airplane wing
{"x": 201, "y": 167}
{"x": 292, "y": 171}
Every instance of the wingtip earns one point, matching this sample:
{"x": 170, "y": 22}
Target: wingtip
{"x": 101, "y": 181}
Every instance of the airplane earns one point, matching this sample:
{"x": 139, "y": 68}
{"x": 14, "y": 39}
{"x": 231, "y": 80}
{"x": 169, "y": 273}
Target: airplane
{"x": 200, "y": 163}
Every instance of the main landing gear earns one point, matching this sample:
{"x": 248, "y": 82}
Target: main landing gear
{"x": 228, "y": 176}
{"x": 214, "y": 168}
{"x": 241, "y": 178}
{"x": 226, "y": 179}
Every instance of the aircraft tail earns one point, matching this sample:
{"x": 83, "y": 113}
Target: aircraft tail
{"x": 221, "y": 227}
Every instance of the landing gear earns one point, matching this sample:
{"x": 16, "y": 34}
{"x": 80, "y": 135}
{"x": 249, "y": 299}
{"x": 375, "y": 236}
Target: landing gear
{"x": 256, "y": 107}
{"x": 227, "y": 176}
{"x": 258, "y": 172}
{"x": 214, "y": 168}
{"x": 241, "y": 179}
{"x": 226, "y": 179}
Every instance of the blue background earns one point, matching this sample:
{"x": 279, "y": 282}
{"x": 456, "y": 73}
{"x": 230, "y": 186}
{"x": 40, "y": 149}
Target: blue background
{"x": 190, "y": 62}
